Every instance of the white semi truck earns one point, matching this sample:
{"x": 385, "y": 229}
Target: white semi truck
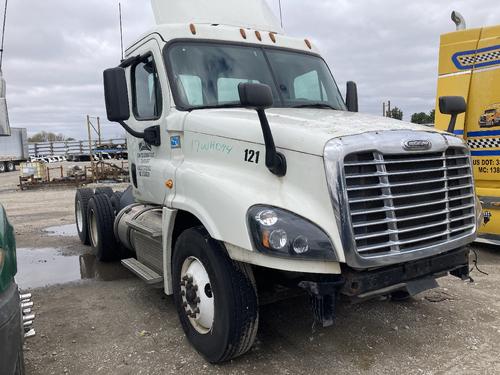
{"x": 248, "y": 168}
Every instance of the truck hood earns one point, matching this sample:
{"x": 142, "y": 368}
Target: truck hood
{"x": 302, "y": 129}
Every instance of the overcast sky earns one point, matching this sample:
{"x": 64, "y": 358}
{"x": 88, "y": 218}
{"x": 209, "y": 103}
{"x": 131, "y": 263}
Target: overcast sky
{"x": 56, "y": 50}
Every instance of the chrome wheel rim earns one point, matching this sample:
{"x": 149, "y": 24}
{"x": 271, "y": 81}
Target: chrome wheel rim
{"x": 94, "y": 236}
{"x": 79, "y": 216}
{"x": 197, "y": 295}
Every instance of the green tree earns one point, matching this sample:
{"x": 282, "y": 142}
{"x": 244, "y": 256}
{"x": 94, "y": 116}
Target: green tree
{"x": 395, "y": 113}
{"x": 423, "y": 118}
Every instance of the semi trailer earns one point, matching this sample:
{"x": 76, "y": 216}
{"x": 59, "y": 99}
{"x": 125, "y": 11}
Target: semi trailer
{"x": 13, "y": 149}
{"x": 249, "y": 169}
{"x": 469, "y": 66}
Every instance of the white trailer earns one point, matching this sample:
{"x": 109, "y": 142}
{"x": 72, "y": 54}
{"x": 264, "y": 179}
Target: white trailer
{"x": 249, "y": 168}
{"x": 13, "y": 149}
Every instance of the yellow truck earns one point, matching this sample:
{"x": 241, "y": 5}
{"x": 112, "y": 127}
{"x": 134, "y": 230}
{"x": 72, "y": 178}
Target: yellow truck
{"x": 469, "y": 66}
{"x": 491, "y": 117}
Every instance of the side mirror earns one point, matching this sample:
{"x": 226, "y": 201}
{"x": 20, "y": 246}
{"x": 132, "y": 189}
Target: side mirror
{"x": 4, "y": 114}
{"x": 116, "y": 95}
{"x": 351, "y": 99}
{"x": 259, "y": 97}
{"x": 452, "y": 105}
{"x": 255, "y": 95}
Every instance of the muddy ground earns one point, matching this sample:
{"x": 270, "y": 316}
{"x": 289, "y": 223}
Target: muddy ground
{"x": 99, "y": 319}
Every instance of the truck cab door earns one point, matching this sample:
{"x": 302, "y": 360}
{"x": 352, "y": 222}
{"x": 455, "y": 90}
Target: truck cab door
{"x": 150, "y": 165}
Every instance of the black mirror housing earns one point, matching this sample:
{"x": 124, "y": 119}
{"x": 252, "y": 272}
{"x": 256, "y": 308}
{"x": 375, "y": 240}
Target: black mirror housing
{"x": 452, "y": 105}
{"x": 255, "y": 95}
{"x": 116, "y": 94}
{"x": 351, "y": 99}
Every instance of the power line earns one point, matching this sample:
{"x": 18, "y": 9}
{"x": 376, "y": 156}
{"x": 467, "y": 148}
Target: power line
{"x": 3, "y": 33}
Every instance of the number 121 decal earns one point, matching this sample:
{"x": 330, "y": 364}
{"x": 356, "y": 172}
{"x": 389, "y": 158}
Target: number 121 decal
{"x": 252, "y": 156}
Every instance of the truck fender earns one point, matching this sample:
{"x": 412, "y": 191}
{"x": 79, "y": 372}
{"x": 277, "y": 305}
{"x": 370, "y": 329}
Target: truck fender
{"x": 174, "y": 223}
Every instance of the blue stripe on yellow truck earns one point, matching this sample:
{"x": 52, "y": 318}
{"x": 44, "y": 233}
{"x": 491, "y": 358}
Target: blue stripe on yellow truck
{"x": 469, "y": 66}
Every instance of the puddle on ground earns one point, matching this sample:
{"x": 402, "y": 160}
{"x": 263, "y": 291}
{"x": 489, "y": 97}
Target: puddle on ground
{"x": 48, "y": 266}
{"x": 68, "y": 230}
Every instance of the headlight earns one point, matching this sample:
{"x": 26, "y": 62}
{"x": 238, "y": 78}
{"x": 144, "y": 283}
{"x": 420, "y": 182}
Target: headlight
{"x": 277, "y": 232}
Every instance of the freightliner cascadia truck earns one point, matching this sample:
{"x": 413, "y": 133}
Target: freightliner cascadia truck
{"x": 469, "y": 66}
{"x": 250, "y": 169}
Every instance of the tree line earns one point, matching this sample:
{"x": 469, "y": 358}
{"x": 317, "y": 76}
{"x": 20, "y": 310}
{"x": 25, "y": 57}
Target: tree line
{"x": 44, "y": 136}
{"x": 416, "y": 118}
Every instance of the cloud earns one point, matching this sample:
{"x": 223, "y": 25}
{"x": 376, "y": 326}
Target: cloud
{"x": 56, "y": 51}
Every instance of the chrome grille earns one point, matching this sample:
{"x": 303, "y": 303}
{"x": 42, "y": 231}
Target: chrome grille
{"x": 404, "y": 202}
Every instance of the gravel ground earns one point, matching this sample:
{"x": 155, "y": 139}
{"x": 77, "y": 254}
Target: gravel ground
{"x": 111, "y": 323}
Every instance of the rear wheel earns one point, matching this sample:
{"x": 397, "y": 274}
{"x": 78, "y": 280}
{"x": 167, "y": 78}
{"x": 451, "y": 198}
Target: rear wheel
{"x": 104, "y": 190}
{"x": 81, "y": 202}
{"x": 11, "y": 167}
{"x": 215, "y": 297}
{"x": 101, "y": 217}
{"x": 2, "y": 167}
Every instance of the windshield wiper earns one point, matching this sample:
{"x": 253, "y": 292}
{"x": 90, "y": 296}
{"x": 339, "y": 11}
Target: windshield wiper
{"x": 228, "y": 105}
{"x": 314, "y": 105}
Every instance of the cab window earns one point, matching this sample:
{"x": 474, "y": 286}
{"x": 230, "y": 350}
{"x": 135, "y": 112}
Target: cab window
{"x": 227, "y": 89}
{"x": 191, "y": 89}
{"x": 309, "y": 87}
{"x": 146, "y": 98}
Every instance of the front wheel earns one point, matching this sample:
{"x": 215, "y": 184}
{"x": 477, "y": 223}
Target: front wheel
{"x": 215, "y": 297}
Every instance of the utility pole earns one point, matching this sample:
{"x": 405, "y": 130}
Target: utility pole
{"x": 386, "y": 113}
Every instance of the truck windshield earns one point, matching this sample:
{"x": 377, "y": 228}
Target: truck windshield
{"x": 206, "y": 75}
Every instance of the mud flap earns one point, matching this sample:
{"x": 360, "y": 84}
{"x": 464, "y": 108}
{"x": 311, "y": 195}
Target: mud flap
{"x": 323, "y": 297}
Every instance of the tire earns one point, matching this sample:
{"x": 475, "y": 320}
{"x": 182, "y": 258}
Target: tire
{"x": 101, "y": 218}
{"x": 229, "y": 286}
{"x": 115, "y": 201}
{"x": 104, "y": 190}
{"x": 81, "y": 203}
{"x": 11, "y": 167}
{"x": 2, "y": 167}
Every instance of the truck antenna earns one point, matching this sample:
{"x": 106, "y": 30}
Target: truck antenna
{"x": 3, "y": 34}
{"x": 281, "y": 13}
{"x": 121, "y": 27}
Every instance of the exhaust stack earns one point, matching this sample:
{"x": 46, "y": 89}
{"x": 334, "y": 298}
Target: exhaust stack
{"x": 459, "y": 20}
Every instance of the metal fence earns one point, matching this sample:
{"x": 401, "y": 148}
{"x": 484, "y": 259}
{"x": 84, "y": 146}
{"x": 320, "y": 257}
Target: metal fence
{"x": 64, "y": 148}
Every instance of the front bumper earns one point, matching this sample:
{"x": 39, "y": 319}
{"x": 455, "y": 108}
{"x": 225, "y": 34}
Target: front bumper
{"x": 11, "y": 330}
{"x": 410, "y": 276}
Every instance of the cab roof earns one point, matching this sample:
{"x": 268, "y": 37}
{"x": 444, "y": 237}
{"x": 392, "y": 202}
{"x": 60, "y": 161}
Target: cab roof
{"x": 254, "y": 14}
